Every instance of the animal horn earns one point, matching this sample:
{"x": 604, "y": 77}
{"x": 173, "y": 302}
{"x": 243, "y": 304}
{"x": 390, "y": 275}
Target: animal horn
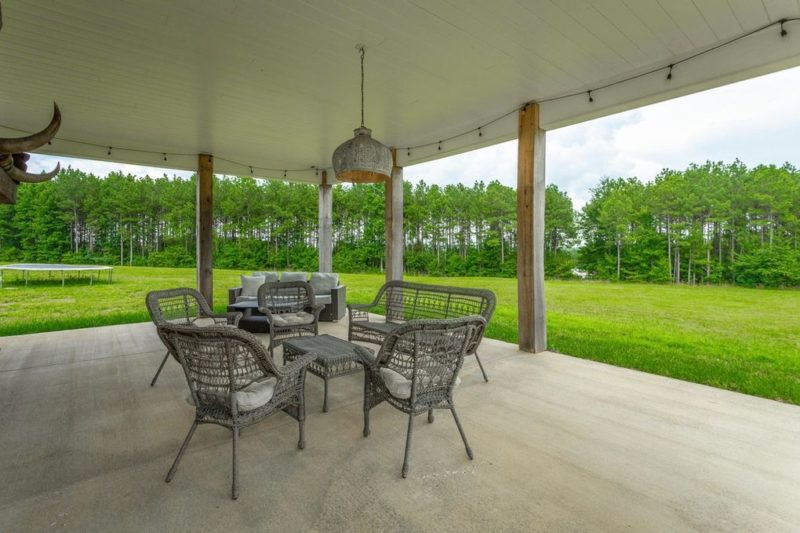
{"x": 19, "y": 175}
{"x": 26, "y": 177}
{"x": 32, "y": 142}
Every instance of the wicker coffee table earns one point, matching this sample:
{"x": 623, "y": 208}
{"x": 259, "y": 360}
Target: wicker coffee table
{"x": 336, "y": 357}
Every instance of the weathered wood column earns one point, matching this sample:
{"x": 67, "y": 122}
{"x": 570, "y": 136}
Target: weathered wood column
{"x": 205, "y": 226}
{"x": 394, "y": 222}
{"x": 325, "y": 225}
{"x": 530, "y": 231}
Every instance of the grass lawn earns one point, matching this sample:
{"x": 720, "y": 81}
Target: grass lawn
{"x": 739, "y": 339}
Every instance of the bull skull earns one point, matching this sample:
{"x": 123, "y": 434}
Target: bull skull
{"x": 13, "y": 157}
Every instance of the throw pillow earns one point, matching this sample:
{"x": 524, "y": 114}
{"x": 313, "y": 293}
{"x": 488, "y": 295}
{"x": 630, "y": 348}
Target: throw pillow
{"x": 324, "y": 283}
{"x": 250, "y": 285}
{"x": 269, "y": 277}
{"x": 294, "y": 276}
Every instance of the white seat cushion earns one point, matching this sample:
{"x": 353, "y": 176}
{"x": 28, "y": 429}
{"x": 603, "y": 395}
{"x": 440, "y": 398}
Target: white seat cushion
{"x": 323, "y": 283}
{"x": 399, "y": 386}
{"x": 255, "y": 395}
{"x": 245, "y": 299}
{"x": 250, "y": 285}
{"x": 292, "y": 319}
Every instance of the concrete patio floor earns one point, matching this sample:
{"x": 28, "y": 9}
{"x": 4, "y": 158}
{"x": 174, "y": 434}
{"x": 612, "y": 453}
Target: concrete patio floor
{"x": 561, "y": 444}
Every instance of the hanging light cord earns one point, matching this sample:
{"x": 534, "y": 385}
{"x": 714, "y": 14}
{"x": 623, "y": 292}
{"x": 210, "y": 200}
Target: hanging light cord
{"x": 361, "y": 50}
{"x": 669, "y": 68}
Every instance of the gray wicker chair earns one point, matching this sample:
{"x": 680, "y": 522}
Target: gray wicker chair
{"x": 290, "y": 311}
{"x": 183, "y": 306}
{"x": 234, "y": 383}
{"x": 417, "y": 368}
{"x": 401, "y": 301}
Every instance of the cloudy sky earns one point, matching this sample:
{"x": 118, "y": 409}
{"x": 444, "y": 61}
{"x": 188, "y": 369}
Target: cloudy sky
{"x": 757, "y": 121}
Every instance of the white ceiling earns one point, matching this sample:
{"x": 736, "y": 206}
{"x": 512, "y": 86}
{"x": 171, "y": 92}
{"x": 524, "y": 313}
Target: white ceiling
{"x": 275, "y": 84}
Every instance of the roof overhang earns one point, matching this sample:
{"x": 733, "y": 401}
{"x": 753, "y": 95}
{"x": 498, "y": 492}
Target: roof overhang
{"x": 275, "y": 85}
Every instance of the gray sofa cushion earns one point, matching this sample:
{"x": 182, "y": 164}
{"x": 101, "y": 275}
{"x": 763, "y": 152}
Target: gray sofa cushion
{"x": 246, "y": 299}
{"x": 250, "y": 285}
{"x": 269, "y": 277}
{"x": 324, "y": 282}
{"x": 323, "y": 299}
{"x": 294, "y": 276}
{"x": 292, "y": 319}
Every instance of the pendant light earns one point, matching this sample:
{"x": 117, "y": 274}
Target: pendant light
{"x": 362, "y": 159}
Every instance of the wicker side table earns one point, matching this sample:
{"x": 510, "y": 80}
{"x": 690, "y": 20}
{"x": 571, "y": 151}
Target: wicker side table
{"x": 335, "y": 357}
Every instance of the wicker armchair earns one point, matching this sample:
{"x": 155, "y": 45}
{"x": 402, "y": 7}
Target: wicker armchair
{"x": 417, "y": 369}
{"x": 183, "y": 306}
{"x": 290, "y": 310}
{"x": 234, "y": 383}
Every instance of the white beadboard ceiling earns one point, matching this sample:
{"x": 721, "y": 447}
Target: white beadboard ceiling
{"x": 275, "y": 83}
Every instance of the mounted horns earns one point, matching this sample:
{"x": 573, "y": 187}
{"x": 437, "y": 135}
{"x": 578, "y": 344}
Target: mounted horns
{"x": 10, "y": 147}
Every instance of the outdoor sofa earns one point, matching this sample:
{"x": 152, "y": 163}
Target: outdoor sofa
{"x": 398, "y": 302}
{"x": 327, "y": 290}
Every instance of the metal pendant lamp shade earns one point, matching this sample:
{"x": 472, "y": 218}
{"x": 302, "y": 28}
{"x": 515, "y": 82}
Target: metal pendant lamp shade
{"x": 362, "y": 159}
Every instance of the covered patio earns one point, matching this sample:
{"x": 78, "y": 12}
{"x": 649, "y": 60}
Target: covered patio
{"x": 561, "y": 444}
{"x": 269, "y": 90}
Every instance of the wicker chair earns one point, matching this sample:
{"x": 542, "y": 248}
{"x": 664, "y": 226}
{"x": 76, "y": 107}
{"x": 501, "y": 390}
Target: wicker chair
{"x": 234, "y": 383}
{"x": 290, "y": 311}
{"x": 417, "y": 368}
{"x": 183, "y": 306}
{"x": 401, "y": 301}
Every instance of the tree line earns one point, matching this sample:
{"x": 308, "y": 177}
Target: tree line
{"x": 712, "y": 223}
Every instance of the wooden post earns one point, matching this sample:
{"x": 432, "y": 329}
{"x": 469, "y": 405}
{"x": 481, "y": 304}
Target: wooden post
{"x": 325, "y": 225}
{"x": 205, "y": 226}
{"x": 394, "y": 222}
{"x": 530, "y": 231}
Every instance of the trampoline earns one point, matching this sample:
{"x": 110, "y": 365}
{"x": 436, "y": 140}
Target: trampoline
{"x": 27, "y": 268}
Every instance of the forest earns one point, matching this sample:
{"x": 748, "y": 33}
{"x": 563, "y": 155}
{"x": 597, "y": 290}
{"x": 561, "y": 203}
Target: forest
{"x": 714, "y": 223}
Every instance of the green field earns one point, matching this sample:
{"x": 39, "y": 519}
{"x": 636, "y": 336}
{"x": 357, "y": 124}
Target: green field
{"x": 745, "y": 340}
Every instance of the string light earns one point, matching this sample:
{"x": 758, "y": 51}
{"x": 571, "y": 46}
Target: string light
{"x": 479, "y": 129}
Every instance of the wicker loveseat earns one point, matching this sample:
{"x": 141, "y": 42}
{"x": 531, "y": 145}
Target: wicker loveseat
{"x": 401, "y": 301}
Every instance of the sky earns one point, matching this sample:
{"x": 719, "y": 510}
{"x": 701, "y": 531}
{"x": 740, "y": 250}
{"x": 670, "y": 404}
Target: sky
{"x": 756, "y": 121}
